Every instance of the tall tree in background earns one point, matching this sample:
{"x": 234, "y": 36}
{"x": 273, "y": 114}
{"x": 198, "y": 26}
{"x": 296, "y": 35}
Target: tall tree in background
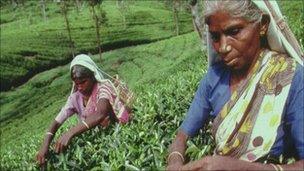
{"x": 20, "y": 6}
{"x": 123, "y": 8}
{"x": 64, "y": 10}
{"x": 43, "y": 7}
{"x": 175, "y": 9}
{"x": 98, "y": 20}
{"x": 78, "y": 5}
{"x": 195, "y": 7}
{"x": 175, "y": 6}
{"x": 14, "y": 3}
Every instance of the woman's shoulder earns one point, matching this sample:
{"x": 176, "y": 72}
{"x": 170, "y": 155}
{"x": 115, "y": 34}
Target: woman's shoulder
{"x": 299, "y": 71}
{"x": 74, "y": 97}
{"x": 106, "y": 85}
{"x": 282, "y": 55}
{"x": 298, "y": 78}
{"x": 296, "y": 89}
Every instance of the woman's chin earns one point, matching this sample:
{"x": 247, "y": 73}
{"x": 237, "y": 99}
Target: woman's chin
{"x": 236, "y": 67}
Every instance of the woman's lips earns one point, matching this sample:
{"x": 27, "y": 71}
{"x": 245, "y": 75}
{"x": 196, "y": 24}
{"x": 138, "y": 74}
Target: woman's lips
{"x": 230, "y": 61}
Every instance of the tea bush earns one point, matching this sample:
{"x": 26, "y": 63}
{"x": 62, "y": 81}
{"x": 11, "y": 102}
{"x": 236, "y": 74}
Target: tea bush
{"x": 166, "y": 77}
{"x": 142, "y": 143}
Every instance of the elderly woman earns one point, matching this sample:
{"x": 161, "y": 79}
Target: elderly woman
{"x": 253, "y": 91}
{"x": 93, "y": 98}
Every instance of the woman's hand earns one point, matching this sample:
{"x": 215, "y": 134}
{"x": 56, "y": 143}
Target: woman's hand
{"x": 63, "y": 142}
{"x": 106, "y": 122}
{"x": 44, "y": 150}
{"x": 174, "y": 167}
{"x": 218, "y": 162}
{"x": 41, "y": 157}
{"x": 228, "y": 163}
{"x": 174, "y": 164}
{"x": 212, "y": 163}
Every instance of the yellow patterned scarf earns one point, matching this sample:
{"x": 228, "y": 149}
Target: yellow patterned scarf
{"x": 246, "y": 126}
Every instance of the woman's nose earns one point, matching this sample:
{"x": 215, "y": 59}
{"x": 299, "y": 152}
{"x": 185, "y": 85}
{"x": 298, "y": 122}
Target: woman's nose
{"x": 224, "y": 47}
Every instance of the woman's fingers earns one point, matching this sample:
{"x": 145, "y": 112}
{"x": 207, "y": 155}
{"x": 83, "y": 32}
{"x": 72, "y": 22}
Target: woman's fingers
{"x": 60, "y": 145}
{"x": 40, "y": 159}
{"x": 56, "y": 147}
{"x": 106, "y": 122}
{"x": 196, "y": 165}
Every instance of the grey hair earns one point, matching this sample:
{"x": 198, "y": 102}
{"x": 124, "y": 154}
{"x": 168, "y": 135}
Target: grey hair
{"x": 79, "y": 71}
{"x": 236, "y": 8}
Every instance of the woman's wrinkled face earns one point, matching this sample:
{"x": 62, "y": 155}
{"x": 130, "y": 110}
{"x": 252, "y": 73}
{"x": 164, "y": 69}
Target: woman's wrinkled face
{"x": 236, "y": 40}
{"x": 84, "y": 85}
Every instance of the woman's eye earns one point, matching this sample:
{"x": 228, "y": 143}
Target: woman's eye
{"x": 233, "y": 32}
{"x": 78, "y": 82}
{"x": 215, "y": 37}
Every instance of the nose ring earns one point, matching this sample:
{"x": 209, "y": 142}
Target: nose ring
{"x": 225, "y": 49}
{"x": 228, "y": 48}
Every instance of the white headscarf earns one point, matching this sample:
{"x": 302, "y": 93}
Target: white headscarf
{"x": 86, "y": 61}
{"x": 276, "y": 39}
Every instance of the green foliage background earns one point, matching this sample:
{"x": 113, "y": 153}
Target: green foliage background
{"x": 30, "y": 44}
{"x": 163, "y": 74}
{"x": 162, "y": 90}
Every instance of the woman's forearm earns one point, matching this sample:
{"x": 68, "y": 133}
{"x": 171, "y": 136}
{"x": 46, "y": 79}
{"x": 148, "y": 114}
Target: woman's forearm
{"x": 178, "y": 146}
{"x": 103, "y": 108}
{"x": 299, "y": 165}
{"x": 49, "y": 135}
{"x": 87, "y": 124}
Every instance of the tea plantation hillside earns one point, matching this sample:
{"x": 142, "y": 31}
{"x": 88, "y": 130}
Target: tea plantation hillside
{"x": 29, "y": 44}
{"x": 164, "y": 76}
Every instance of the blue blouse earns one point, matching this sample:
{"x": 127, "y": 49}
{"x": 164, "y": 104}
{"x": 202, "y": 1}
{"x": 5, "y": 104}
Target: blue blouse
{"x": 213, "y": 92}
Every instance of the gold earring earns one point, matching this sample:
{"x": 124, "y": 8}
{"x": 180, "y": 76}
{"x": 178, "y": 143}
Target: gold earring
{"x": 262, "y": 33}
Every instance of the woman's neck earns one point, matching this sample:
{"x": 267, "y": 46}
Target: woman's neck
{"x": 85, "y": 97}
{"x": 85, "y": 100}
